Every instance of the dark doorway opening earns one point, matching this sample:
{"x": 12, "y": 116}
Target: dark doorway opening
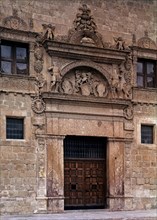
{"x": 85, "y": 172}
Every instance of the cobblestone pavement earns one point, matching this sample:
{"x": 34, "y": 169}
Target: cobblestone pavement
{"x": 90, "y": 215}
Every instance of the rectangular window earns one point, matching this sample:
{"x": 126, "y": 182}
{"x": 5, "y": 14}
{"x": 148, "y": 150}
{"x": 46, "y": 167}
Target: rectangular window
{"x": 146, "y": 73}
{"x": 14, "y": 128}
{"x": 147, "y": 134}
{"x": 13, "y": 58}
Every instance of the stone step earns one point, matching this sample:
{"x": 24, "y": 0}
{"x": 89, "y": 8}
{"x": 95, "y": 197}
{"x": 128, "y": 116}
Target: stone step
{"x": 90, "y": 215}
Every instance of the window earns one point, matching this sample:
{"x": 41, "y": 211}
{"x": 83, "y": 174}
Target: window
{"x": 146, "y": 73}
{"x": 13, "y": 58}
{"x": 14, "y": 128}
{"x": 147, "y": 134}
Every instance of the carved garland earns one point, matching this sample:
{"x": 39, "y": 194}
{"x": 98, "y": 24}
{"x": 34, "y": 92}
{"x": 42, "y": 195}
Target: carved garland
{"x": 38, "y": 105}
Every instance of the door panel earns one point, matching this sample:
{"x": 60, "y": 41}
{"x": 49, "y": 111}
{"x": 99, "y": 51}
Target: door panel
{"x": 84, "y": 185}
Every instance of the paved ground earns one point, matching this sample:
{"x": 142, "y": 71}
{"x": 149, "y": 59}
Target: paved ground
{"x": 90, "y": 215}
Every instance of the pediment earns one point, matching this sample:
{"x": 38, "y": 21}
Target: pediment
{"x": 15, "y": 22}
{"x": 146, "y": 42}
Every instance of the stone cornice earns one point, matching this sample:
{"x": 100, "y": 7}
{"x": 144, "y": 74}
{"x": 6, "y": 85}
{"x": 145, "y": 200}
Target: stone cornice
{"x": 17, "y": 32}
{"x": 146, "y": 50}
{"x": 68, "y": 50}
{"x": 82, "y": 99}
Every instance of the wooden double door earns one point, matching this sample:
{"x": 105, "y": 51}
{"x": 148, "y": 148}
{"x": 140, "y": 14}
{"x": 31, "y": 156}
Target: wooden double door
{"x": 84, "y": 172}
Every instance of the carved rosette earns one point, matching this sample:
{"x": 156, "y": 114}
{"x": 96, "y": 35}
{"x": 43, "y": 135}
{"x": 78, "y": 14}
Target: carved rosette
{"x": 38, "y": 105}
{"x": 129, "y": 112}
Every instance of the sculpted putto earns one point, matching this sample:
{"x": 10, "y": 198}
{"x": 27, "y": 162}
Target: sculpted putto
{"x": 55, "y": 78}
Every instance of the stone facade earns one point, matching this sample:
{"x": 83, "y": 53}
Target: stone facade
{"x": 82, "y": 81}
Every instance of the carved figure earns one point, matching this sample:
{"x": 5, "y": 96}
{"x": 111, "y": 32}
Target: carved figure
{"x": 119, "y": 86}
{"x": 49, "y": 31}
{"x": 55, "y": 78}
{"x": 120, "y": 43}
{"x": 39, "y": 83}
{"x": 101, "y": 89}
{"x": 67, "y": 86}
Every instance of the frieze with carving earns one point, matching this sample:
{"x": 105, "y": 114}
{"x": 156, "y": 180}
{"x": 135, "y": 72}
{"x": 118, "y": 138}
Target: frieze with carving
{"x": 87, "y": 81}
{"x": 83, "y": 81}
{"x": 15, "y": 22}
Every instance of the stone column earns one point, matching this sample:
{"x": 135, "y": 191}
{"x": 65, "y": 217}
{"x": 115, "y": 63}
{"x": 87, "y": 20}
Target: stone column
{"x": 41, "y": 175}
{"x": 116, "y": 173}
{"x": 55, "y": 174}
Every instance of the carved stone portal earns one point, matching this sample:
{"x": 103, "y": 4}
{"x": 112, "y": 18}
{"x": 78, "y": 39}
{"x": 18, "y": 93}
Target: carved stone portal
{"x": 84, "y": 81}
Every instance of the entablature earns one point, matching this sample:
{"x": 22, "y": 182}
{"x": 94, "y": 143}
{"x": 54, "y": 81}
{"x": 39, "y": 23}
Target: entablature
{"x": 73, "y": 51}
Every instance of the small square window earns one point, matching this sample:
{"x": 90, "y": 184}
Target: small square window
{"x": 14, "y": 128}
{"x": 147, "y": 134}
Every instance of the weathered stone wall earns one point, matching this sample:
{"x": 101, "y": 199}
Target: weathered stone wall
{"x": 26, "y": 164}
{"x": 18, "y": 158}
{"x": 113, "y": 18}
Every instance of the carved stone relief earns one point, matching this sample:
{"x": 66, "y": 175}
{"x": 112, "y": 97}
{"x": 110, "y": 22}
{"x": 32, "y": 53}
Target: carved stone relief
{"x": 38, "y": 54}
{"x": 119, "y": 43}
{"x": 14, "y": 22}
{"x": 146, "y": 42}
{"x": 38, "y": 105}
{"x": 88, "y": 81}
{"x": 84, "y": 81}
{"x": 55, "y": 78}
{"x": 120, "y": 82}
{"x": 84, "y": 31}
{"x": 48, "y": 31}
{"x": 129, "y": 112}
{"x": 41, "y": 167}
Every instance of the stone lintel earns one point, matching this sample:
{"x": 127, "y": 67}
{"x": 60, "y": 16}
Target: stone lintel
{"x": 117, "y": 139}
{"x": 104, "y": 55}
{"x": 81, "y": 99}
